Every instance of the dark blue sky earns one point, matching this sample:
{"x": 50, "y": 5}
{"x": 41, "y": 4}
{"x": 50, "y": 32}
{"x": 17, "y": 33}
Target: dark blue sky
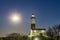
{"x": 47, "y": 14}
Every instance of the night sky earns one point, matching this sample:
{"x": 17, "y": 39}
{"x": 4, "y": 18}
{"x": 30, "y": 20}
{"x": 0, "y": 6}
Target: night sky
{"x": 47, "y": 14}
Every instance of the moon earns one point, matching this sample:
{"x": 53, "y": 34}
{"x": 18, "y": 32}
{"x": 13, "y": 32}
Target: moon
{"x": 15, "y": 17}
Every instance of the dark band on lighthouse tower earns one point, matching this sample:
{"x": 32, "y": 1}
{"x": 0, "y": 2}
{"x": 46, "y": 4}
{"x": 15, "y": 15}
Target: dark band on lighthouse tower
{"x": 33, "y": 21}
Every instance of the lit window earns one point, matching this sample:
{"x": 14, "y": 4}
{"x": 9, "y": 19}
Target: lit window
{"x": 34, "y": 31}
{"x": 36, "y": 38}
{"x": 42, "y": 31}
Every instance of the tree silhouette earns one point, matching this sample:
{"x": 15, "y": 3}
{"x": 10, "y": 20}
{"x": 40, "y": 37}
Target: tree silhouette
{"x": 13, "y": 36}
{"x": 54, "y": 31}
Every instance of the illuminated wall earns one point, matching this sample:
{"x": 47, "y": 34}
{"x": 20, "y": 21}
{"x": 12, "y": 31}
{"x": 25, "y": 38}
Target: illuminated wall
{"x": 37, "y": 32}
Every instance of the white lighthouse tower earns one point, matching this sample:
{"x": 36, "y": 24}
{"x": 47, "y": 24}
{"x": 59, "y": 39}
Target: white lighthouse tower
{"x": 33, "y": 21}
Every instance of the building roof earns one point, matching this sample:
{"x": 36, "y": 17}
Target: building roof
{"x": 38, "y": 29}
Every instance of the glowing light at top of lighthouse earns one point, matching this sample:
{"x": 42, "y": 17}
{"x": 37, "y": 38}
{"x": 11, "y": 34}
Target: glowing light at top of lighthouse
{"x": 33, "y": 15}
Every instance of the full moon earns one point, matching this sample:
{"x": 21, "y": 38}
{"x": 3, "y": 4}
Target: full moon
{"x": 15, "y": 17}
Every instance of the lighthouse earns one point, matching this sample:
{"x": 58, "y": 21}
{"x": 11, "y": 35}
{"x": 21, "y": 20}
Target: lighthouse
{"x": 36, "y": 32}
{"x": 33, "y": 21}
